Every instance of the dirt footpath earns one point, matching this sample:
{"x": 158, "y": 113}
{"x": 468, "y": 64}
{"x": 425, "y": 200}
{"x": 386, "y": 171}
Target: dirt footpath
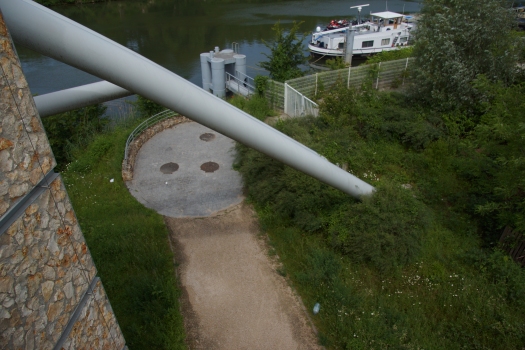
{"x": 233, "y": 298}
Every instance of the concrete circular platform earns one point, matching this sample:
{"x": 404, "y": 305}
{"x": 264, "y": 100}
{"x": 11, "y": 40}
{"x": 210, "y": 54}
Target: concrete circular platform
{"x": 186, "y": 171}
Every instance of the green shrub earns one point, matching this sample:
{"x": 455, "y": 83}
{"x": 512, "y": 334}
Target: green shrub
{"x": 385, "y": 229}
{"x": 147, "y": 108}
{"x": 257, "y": 106}
{"x": 73, "y": 130}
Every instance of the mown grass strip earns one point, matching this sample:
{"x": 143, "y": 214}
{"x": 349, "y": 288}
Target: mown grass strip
{"x": 129, "y": 244}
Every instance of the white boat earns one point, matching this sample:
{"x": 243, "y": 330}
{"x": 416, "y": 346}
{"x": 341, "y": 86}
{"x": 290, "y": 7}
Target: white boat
{"x": 384, "y": 31}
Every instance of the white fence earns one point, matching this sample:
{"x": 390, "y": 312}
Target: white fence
{"x": 383, "y": 75}
{"x": 298, "y": 105}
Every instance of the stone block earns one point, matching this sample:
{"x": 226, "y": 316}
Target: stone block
{"x": 96, "y": 326}
{"x": 45, "y": 272}
{"x": 25, "y": 153}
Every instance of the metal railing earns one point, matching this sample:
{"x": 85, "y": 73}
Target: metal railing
{"x": 298, "y": 105}
{"x": 146, "y": 124}
{"x": 242, "y": 83}
{"x": 235, "y": 47}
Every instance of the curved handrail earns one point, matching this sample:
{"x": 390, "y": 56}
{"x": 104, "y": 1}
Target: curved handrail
{"x": 146, "y": 124}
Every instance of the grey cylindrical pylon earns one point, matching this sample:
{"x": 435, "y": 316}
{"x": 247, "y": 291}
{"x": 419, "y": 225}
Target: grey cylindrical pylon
{"x": 206, "y": 71}
{"x": 53, "y": 35}
{"x": 240, "y": 65}
{"x": 349, "y": 45}
{"x": 78, "y": 97}
{"x": 218, "y": 77}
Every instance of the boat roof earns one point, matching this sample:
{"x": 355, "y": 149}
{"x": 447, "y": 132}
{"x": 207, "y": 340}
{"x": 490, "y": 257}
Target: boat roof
{"x": 387, "y": 14}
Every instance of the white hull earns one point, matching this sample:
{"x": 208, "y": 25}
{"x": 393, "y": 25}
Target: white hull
{"x": 386, "y": 31}
{"x": 340, "y": 52}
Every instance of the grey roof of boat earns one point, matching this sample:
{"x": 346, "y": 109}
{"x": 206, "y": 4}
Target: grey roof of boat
{"x": 387, "y": 14}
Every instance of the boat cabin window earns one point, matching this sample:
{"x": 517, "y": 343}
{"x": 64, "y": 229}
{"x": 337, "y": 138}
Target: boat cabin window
{"x": 385, "y": 42}
{"x": 403, "y": 39}
{"x": 341, "y": 45}
{"x": 369, "y": 43}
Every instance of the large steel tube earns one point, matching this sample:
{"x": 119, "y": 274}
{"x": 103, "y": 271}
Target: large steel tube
{"x": 53, "y": 35}
{"x": 78, "y": 97}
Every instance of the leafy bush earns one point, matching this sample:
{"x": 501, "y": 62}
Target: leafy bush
{"x": 147, "y": 108}
{"x": 74, "y": 130}
{"x": 335, "y": 63}
{"x": 257, "y": 106}
{"x": 456, "y": 41}
{"x": 385, "y": 229}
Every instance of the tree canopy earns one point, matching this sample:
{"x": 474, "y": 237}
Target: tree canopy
{"x": 286, "y": 54}
{"x": 458, "y": 40}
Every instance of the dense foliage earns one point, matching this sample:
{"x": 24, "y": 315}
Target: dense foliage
{"x": 456, "y": 41}
{"x": 405, "y": 268}
{"x": 129, "y": 244}
{"x": 72, "y": 130}
{"x": 147, "y": 108}
{"x": 286, "y": 54}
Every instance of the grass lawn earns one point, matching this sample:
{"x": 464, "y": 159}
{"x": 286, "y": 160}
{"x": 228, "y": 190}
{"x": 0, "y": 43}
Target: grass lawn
{"x": 129, "y": 244}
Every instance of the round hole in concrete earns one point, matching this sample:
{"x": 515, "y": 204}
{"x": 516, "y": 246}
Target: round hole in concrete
{"x": 207, "y": 137}
{"x": 169, "y": 168}
{"x": 209, "y": 167}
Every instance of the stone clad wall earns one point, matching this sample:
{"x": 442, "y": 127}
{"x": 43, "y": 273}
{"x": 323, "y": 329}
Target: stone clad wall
{"x": 25, "y": 154}
{"x": 50, "y": 297}
{"x": 46, "y": 269}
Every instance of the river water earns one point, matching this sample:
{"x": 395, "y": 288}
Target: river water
{"x": 173, "y": 33}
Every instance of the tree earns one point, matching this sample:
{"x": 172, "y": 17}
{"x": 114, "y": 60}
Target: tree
{"x": 458, "y": 40}
{"x": 286, "y": 54}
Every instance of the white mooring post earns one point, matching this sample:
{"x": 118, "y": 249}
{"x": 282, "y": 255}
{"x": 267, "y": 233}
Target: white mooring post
{"x": 406, "y": 66}
{"x": 348, "y": 82}
{"x": 378, "y": 70}
{"x": 315, "y": 84}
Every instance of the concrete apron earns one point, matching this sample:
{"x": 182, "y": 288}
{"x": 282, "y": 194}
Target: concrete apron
{"x": 186, "y": 171}
{"x": 232, "y": 296}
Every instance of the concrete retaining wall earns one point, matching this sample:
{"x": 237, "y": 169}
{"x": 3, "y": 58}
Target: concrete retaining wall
{"x": 134, "y": 147}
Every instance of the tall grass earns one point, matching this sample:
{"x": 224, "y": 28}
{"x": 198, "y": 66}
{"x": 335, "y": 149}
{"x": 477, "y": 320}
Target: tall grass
{"x": 408, "y": 270}
{"x": 129, "y": 244}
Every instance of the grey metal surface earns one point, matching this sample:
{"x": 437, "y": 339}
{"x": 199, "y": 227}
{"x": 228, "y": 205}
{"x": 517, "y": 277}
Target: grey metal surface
{"x": 349, "y": 45}
{"x": 53, "y": 35}
{"x": 206, "y": 71}
{"x": 187, "y": 191}
{"x": 78, "y": 97}
{"x": 218, "y": 77}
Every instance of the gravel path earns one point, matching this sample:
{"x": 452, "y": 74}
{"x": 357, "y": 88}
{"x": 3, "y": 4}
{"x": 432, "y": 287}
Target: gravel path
{"x": 233, "y": 297}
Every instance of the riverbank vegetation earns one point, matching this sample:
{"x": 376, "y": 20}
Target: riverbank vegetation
{"x": 414, "y": 266}
{"x": 128, "y": 242}
{"x": 417, "y": 265}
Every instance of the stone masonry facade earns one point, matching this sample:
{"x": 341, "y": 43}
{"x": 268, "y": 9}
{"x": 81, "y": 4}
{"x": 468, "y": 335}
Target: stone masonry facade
{"x": 50, "y": 297}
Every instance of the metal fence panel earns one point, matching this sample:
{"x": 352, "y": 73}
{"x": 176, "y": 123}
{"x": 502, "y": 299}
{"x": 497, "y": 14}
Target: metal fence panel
{"x": 298, "y": 105}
